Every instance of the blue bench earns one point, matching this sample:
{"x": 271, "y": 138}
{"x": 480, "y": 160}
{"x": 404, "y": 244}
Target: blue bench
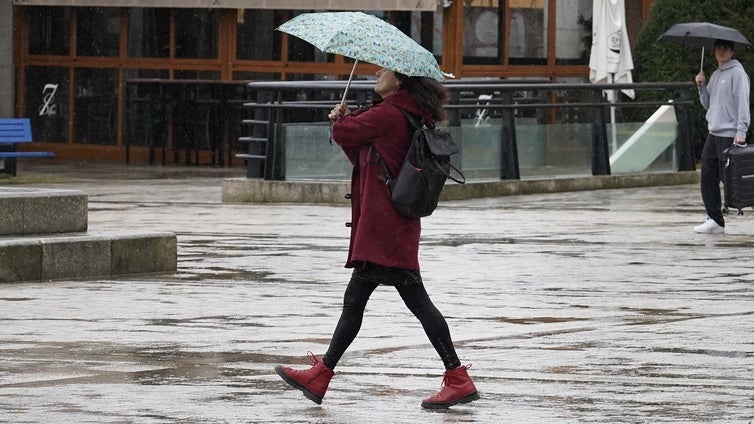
{"x": 14, "y": 131}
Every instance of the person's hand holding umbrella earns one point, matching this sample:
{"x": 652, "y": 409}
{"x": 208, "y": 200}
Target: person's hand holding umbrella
{"x": 339, "y": 110}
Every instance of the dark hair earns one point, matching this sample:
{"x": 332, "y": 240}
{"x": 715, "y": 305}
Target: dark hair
{"x": 428, "y": 93}
{"x": 725, "y": 43}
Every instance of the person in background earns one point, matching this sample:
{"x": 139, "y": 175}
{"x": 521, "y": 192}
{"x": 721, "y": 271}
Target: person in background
{"x": 726, "y": 99}
{"x": 384, "y": 244}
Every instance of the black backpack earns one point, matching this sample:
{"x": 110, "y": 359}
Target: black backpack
{"x": 417, "y": 187}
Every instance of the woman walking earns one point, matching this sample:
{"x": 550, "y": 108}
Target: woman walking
{"x": 384, "y": 246}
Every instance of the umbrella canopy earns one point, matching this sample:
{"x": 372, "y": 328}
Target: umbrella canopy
{"x": 365, "y": 38}
{"x": 702, "y": 34}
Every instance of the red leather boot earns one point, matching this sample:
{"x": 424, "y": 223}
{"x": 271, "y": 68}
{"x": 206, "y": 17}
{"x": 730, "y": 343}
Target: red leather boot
{"x": 457, "y": 387}
{"x": 313, "y": 381}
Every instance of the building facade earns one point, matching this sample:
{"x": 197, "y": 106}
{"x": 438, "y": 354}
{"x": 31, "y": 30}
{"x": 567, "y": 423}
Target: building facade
{"x": 72, "y": 60}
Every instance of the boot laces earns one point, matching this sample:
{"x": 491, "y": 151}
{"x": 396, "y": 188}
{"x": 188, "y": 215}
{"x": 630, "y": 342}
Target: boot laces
{"x": 312, "y": 360}
{"x": 443, "y": 388}
{"x": 446, "y": 380}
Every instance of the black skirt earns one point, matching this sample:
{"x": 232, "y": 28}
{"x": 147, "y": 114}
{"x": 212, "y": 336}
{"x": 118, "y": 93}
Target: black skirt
{"x": 386, "y": 275}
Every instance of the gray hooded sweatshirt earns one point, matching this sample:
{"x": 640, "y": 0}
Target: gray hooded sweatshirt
{"x": 726, "y": 98}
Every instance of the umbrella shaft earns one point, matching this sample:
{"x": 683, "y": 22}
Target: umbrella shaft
{"x": 701, "y": 65}
{"x": 348, "y": 84}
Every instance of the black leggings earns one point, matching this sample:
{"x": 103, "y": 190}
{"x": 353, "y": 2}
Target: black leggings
{"x": 414, "y": 295}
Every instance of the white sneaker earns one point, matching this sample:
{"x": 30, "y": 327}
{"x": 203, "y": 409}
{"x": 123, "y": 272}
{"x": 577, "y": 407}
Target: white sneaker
{"x": 709, "y": 227}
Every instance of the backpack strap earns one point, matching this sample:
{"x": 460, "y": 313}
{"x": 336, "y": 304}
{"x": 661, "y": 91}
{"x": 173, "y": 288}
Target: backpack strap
{"x": 416, "y": 123}
{"x": 387, "y": 179}
{"x": 415, "y": 120}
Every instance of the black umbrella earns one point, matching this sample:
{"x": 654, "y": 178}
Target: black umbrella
{"x": 702, "y": 34}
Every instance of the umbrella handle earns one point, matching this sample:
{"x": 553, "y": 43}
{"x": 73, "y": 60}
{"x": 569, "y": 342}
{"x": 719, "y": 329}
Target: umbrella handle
{"x": 343, "y": 101}
{"x": 701, "y": 64}
{"x": 348, "y": 84}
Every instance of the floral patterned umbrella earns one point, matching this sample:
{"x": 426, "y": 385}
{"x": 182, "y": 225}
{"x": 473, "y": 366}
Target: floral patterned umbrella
{"x": 365, "y": 38}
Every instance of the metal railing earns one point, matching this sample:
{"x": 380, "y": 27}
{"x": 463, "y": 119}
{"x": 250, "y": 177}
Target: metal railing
{"x": 278, "y": 103}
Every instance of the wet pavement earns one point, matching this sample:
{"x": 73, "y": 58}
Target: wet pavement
{"x": 598, "y": 306}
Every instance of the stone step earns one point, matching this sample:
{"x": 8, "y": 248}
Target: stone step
{"x": 42, "y": 211}
{"x": 86, "y": 255}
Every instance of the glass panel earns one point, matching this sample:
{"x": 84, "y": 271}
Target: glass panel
{"x": 304, "y": 93}
{"x": 308, "y": 155}
{"x": 556, "y": 141}
{"x": 480, "y": 150}
{"x": 308, "y": 77}
{"x": 307, "y": 94}
{"x": 148, "y": 32}
{"x": 49, "y": 30}
{"x": 432, "y": 28}
{"x": 146, "y": 115}
{"x": 578, "y": 114}
{"x": 47, "y": 102}
{"x": 202, "y": 75}
{"x": 528, "y": 35}
{"x": 256, "y": 36}
{"x": 145, "y": 73}
{"x": 196, "y": 33}
{"x": 483, "y": 32}
{"x": 556, "y": 149}
{"x": 96, "y": 106}
{"x": 256, "y": 76}
{"x": 573, "y": 32}
{"x": 637, "y": 147}
{"x": 97, "y": 31}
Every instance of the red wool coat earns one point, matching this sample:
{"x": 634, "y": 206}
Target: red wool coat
{"x": 379, "y": 233}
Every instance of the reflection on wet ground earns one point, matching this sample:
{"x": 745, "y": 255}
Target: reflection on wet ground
{"x": 574, "y": 307}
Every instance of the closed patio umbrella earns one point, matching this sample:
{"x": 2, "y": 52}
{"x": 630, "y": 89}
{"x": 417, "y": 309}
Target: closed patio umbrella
{"x": 610, "y": 59}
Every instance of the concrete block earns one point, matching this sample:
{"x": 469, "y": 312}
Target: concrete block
{"x": 250, "y": 190}
{"x": 144, "y": 253}
{"x": 56, "y": 212}
{"x": 20, "y": 260}
{"x": 86, "y": 255}
{"x": 480, "y": 189}
{"x": 12, "y": 215}
{"x": 75, "y": 257}
{"x": 42, "y": 211}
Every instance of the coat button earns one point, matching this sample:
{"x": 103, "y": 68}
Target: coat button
{"x": 348, "y": 195}
{"x": 349, "y": 225}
